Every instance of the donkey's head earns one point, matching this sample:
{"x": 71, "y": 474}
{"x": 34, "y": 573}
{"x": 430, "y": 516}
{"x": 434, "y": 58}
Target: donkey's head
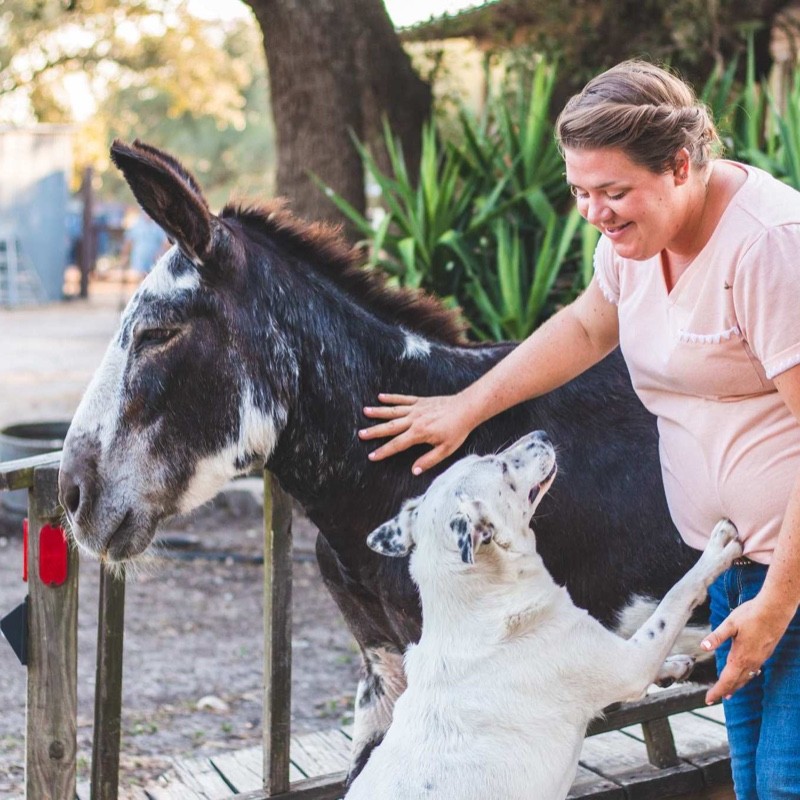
{"x": 174, "y": 411}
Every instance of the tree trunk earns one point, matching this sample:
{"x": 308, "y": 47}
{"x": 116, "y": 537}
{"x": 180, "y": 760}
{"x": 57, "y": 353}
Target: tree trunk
{"x": 336, "y": 67}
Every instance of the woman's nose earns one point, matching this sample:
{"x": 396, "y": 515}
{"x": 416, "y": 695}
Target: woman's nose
{"x": 596, "y": 211}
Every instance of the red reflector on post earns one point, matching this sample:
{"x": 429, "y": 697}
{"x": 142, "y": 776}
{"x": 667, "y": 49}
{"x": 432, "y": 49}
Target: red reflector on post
{"x": 25, "y": 549}
{"x": 52, "y": 555}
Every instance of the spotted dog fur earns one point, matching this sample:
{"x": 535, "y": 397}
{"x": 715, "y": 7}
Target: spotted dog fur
{"x": 258, "y": 339}
{"x": 508, "y": 671}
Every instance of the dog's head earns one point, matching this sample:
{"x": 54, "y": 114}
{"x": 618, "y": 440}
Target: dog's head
{"x": 479, "y": 501}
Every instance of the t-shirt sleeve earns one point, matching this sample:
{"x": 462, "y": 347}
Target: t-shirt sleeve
{"x": 767, "y": 298}
{"x": 606, "y": 271}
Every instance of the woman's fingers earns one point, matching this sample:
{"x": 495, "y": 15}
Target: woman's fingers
{"x": 385, "y": 429}
{"x": 393, "y": 446}
{"x": 386, "y": 412}
{"x": 407, "y": 420}
{"x": 431, "y": 458}
{"x": 397, "y": 399}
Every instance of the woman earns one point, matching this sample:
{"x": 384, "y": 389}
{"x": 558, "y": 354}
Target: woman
{"x": 697, "y": 279}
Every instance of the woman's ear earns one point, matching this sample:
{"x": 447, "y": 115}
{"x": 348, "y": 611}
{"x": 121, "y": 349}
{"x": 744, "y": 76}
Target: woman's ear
{"x": 681, "y": 165}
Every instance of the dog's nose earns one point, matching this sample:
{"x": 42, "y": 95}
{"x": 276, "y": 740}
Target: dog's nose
{"x": 539, "y": 438}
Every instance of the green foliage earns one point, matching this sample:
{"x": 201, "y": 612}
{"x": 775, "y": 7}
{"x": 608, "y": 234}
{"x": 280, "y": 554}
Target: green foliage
{"x": 487, "y": 224}
{"x": 483, "y": 224}
{"x": 757, "y": 127}
{"x": 147, "y": 69}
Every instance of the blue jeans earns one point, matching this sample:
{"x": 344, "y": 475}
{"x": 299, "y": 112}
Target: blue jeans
{"x": 763, "y": 717}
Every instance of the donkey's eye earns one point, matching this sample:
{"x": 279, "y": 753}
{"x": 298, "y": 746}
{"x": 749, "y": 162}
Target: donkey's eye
{"x": 154, "y": 336}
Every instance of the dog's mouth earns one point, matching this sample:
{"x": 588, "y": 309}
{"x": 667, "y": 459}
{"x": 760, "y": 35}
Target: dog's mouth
{"x": 539, "y": 490}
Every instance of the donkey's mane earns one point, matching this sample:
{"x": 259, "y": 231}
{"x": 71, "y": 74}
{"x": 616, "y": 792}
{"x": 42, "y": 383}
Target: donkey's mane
{"x": 323, "y": 248}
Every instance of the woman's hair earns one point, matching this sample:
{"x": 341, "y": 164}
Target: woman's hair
{"x": 645, "y": 111}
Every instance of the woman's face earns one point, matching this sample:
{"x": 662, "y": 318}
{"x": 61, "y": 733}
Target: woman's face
{"x": 641, "y": 212}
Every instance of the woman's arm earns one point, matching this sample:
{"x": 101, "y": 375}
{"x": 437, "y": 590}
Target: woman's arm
{"x": 757, "y": 625}
{"x": 570, "y": 342}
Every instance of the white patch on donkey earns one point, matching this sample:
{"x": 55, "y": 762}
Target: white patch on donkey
{"x": 508, "y": 672}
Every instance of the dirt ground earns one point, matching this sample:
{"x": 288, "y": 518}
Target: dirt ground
{"x": 192, "y": 677}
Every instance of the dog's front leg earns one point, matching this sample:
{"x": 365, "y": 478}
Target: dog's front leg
{"x": 648, "y": 648}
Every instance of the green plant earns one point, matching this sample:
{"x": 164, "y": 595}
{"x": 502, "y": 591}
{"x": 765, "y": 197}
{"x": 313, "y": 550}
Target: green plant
{"x": 513, "y": 295}
{"x": 481, "y": 224}
{"x": 781, "y": 154}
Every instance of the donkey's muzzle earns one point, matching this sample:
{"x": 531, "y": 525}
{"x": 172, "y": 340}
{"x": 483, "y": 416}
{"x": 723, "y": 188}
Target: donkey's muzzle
{"x": 77, "y": 482}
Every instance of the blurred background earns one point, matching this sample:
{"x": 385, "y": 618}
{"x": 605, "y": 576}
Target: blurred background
{"x": 425, "y": 128}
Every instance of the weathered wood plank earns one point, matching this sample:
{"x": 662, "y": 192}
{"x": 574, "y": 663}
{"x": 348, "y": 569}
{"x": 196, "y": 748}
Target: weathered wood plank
{"x": 704, "y": 743}
{"x": 694, "y": 734}
{"x": 660, "y": 743}
{"x": 623, "y": 760}
{"x": 108, "y": 687}
{"x": 194, "y": 779}
{"x": 18, "y": 474}
{"x": 241, "y": 768}
{"x": 676, "y": 699}
{"x": 277, "y": 635}
{"x": 715, "y": 713}
{"x": 588, "y": 784}
{"x": 329, "y": 787}
{"x": 714, "y": 793}
{"x": 244, "y": 769}
{"x": 51, "y": 739}
{"x": 321, "y": 753}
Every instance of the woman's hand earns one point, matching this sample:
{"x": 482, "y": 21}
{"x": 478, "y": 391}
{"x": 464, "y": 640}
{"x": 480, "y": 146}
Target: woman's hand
{"x": 438, "y": 421}
{"x": 755, "y": 629}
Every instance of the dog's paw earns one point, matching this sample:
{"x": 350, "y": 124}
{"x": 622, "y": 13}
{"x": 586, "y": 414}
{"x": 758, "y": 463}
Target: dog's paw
{"x": 724, "y": 545}
{"x": 674, "y": 668}
{"x": 724, "y": 532}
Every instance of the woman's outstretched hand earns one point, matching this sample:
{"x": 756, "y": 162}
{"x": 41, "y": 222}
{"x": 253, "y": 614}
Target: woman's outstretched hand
{"x": 411, "y": 420}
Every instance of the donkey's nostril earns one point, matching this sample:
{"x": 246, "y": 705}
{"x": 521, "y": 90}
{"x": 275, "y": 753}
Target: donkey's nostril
{"x": 72, "y": 499}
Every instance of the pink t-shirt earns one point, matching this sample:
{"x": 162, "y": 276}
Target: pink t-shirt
{"x": 702, "y": 358}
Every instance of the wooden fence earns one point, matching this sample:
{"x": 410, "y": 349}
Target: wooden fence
{"x": 51, "y": 735}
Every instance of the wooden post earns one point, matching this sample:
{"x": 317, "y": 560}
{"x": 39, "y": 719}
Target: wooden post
{"x": 87, "y": 254}
{"x": 660, "y": 743}
{"x": 277, "y": 635}
{"x": 51, "y": 740}
{"x": 108, "y": 687}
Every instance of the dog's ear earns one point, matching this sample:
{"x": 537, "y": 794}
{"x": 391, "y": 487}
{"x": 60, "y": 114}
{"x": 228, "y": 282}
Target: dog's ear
{"x": 472, "y": 526}
{"x": 396, "y": 537}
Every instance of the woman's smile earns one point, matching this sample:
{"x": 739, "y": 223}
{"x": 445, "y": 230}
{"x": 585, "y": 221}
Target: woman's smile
{"x": 614, "y": 232}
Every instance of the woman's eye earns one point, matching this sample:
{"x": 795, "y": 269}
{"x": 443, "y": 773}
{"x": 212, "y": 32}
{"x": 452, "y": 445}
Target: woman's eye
{"x": 617, "y": 196}
{"x": 576, "y": 192}
{"x": 154, "y": 336}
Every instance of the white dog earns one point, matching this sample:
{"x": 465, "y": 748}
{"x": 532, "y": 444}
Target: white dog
{"x": 508, "y": 672}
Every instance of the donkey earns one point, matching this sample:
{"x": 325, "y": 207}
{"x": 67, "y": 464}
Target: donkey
{"x": 257, "y": 339}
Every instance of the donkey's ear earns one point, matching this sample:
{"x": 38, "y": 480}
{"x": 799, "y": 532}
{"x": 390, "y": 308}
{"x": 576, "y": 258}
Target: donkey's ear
{"x": 472, "y": 527}
{"x": 396, "y": 537}
{"x": 169, "y": 194}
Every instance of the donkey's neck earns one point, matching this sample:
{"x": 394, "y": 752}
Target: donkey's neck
{"x": 344, "y": 356}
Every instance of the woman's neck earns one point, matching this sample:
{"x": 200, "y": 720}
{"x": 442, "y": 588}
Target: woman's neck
{"x": 713, "y": 192}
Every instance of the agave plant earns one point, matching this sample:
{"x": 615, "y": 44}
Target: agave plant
{"x": 481, "y": 223}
